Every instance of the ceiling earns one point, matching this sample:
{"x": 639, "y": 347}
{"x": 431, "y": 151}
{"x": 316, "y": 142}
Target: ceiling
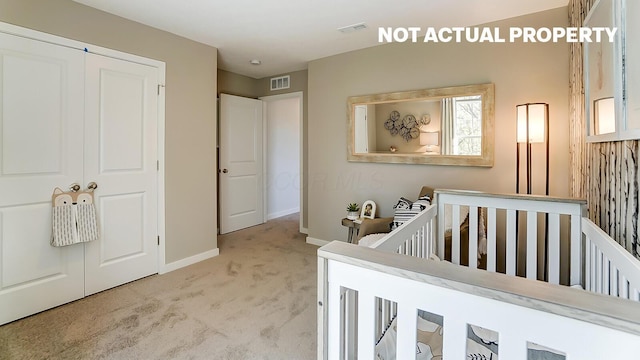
{"x": 286, "y": 34}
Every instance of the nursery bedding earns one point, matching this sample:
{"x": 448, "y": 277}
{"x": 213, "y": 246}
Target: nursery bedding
{"x": 481, "y": 343}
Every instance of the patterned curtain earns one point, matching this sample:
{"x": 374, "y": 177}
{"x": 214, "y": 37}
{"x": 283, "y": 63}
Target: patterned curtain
{"x": 447, "y": 126}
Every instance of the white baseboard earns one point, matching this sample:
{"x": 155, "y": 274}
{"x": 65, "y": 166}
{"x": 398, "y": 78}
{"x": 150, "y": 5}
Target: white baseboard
{"x": 317, "y": 242}
{"x": 304, "y": 230}
{"x": 189, "y": 261}
{"x": 282, "y": 213}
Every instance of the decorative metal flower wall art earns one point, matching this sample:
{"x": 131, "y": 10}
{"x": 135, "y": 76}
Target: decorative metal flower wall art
{"x": 408, "y": 126}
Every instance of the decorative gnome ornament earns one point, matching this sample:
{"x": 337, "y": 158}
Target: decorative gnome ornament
{"x": 74, "y": 217}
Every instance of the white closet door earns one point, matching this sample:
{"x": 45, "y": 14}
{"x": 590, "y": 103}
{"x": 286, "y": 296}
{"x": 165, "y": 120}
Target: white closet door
{"x": 120, "y": 156}
{"x": 41, "y": 122}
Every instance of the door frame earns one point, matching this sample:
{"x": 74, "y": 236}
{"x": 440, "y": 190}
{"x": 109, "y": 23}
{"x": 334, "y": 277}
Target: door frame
{"x": 265, "y": 103}
{"x": 86, "y": 47}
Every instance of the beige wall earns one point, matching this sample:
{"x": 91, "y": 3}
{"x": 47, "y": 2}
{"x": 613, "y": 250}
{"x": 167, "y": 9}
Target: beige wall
{"x": 239, "y": 85}
{"x": 190, "y": 140}
{"x": 521, "y": 73}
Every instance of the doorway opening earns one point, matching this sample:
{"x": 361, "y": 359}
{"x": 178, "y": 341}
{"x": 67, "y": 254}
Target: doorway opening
{"x": 283, "y": 126}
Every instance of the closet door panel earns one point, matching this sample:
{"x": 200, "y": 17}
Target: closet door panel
{"x": 41, "y": 123}
{"x": 121, "y": 156}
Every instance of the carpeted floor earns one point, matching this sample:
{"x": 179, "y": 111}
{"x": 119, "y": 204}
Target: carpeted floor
{"x": 256, "y": 300}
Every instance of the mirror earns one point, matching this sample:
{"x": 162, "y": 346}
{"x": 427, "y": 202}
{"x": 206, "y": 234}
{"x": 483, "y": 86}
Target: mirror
{"x": 601, "y": 82}
{"x": 444, "y": 126}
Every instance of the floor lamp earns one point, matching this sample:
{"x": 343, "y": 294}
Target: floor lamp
{"x": 533, "y": 127}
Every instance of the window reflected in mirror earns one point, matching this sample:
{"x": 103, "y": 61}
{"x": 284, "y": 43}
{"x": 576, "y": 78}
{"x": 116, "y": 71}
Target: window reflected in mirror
{"x": 466, "y": 120}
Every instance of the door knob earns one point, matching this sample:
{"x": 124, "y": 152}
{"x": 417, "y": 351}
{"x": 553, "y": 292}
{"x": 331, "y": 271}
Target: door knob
{"x": 225, "y": 171}
{"x": 74, "y": 187}
{"x": 92, "y": 186}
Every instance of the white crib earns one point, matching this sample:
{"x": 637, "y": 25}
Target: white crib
{"x": 361, "y": 289}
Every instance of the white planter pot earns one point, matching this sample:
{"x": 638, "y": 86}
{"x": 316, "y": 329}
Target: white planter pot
{"x": 352, "y": 215}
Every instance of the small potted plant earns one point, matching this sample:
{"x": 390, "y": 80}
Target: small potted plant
{"x": 353, "y": 211}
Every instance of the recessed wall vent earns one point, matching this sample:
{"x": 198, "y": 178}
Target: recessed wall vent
{"x": 352, "y": 28}
{"x": 280, "y": 82}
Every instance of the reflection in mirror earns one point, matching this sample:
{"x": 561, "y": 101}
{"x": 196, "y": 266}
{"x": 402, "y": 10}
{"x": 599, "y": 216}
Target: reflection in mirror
{"x": 447, "y": 126}
{"x": 604, "y": 115}
{"x": 600, "y": 77}
{"x": 457, "y": 120}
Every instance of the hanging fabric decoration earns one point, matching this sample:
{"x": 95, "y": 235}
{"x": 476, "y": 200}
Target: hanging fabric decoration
{"x": 74, "y": 217}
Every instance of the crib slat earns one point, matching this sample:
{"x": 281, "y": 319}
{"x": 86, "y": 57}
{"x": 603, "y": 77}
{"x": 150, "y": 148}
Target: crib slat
{"x": 613, "y": 280}
{"x": 440, "y": 229}
{"x": 511, "y": 242}
{"x": 334, "y": 328}
{"x": 624, "y": 287}
{"x": 429, "y": 236}
{"x": 491, "y": 240}
{"x": 473, "y": 237}
{"x": 350, "y": 309}
{"x": 588, "y": 268}
{"x": 386, "y": 313}
{"x": 407, "y": 333}
{"x": 532, "y": 245}
{"x": 426, "y": 240}
{"x": 605, "y": 275}
{"x": 576, "y": 250}
{"x": 455, "y": 234}
{"x": 594, "y": 268}
{"x": 512, "y": 346}
{"x": 598, "y": 271}
{"x": 554, "y": 248}
{"x": 454, "y": 341}
{"x": 379, "y": 323}
{"x": 366, "y": 334}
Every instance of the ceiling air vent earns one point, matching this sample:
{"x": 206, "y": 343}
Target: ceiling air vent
{"x": 280, "y": 82}
{"x": 352, "y": 28}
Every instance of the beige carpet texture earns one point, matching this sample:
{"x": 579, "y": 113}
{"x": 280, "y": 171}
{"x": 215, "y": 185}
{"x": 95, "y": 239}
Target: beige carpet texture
{"x": 256, "y": 300}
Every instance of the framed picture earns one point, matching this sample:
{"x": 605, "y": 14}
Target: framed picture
{"x": 368, "y": 209}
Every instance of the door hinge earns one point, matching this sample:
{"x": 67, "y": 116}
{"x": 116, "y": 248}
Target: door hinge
{"x": 158, "y": 165}
{"x": 158, "y": 240}
{"x": 159, "y": 86}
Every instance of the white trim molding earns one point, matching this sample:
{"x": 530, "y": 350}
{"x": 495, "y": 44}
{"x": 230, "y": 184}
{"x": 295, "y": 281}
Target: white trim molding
{"x": 188, "y": 261}
{"x": 317, "y": 242}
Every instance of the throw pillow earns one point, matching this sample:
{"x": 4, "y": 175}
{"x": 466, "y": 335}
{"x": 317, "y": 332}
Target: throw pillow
{"x": 406, "y": 209}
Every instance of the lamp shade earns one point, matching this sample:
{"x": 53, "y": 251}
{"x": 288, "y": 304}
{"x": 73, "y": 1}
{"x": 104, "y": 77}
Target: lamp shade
{"x": 535, "y": 116}
{"x": 429, "y": 138}
{"x": 604, "y": 111}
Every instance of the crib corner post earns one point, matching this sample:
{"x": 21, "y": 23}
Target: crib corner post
{"x": 323, "y": 310}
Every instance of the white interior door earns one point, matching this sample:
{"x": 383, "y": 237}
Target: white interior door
{"x": 241, "y": 163}
{"x": 121, "y": 157}
{"x": 41, "y": 122}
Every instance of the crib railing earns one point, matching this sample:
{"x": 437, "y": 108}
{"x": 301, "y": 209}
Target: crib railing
{"x": 514, "y": 207}
{"x": 598, "y": 265}
{"x": 414, "y": 237}
{"x": 580, "y": 324}
{"x": 609, "y": 268}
